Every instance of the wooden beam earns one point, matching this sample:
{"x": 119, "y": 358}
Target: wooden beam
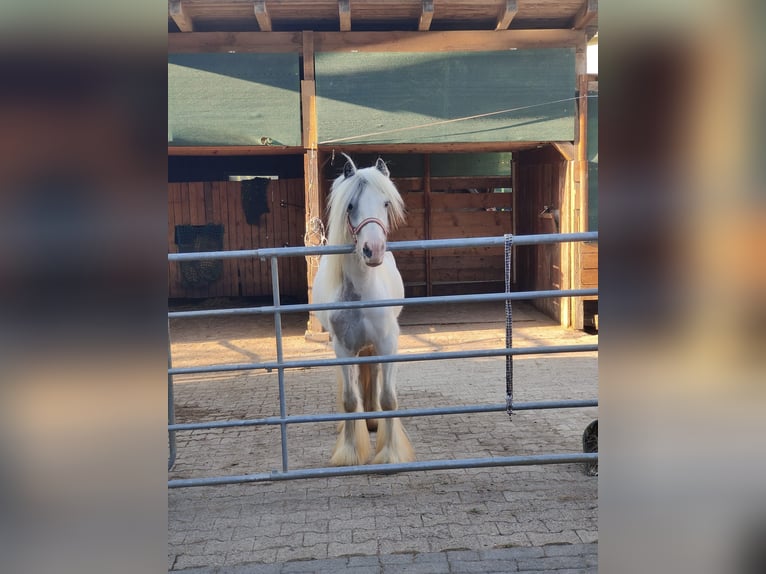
{"x": 566, "y": 149}
{"x": 508, "y": 13}
{"x": 308, "y": 93}
{"x": 579, "y": 199}
{"x": 177, "y": 11}
{"x": 344, "y": 13}
{"x": 239, "y": 42}
{"x": 308, "y": 55}
{"x": 433, "y": 147}
{"x": 427, "y": 218}
{"x": 446, "y": 41}
{"x": 214, "y": 150}
{"x": 426, "y": 14}
{"x": 262, "y": 15}
{"x": 585, "y": 15}
{"x": 311, "y": 180}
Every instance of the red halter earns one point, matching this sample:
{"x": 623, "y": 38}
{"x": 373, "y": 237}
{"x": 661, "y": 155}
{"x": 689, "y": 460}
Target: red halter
{"x": 355, "y": 230}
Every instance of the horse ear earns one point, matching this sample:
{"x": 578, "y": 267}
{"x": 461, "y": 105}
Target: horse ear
{"x": 381, "y": 166}
{"x": 349, "y": 169}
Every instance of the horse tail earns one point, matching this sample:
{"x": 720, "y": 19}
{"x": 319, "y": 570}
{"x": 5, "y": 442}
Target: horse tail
{"x": 368, "y": 387}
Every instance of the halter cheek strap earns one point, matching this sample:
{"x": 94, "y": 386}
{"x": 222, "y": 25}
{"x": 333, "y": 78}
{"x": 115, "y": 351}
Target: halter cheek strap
{"x": 355, "y": 230}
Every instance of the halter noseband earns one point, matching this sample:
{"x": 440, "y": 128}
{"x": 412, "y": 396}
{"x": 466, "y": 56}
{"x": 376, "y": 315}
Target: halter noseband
{"x": 355, "y": 230}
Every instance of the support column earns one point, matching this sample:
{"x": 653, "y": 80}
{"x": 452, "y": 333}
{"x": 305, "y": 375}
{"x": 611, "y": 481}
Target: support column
{"x": 580, "y": 198}
{"x": 311, "y": 176}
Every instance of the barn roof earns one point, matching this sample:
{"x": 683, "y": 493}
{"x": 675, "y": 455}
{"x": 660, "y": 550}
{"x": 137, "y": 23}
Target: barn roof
{"x": 380, "y": 15}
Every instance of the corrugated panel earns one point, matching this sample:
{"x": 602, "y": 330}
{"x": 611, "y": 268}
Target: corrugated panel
{"x": 234, "y": 99}
{"x": 369, "y": 98}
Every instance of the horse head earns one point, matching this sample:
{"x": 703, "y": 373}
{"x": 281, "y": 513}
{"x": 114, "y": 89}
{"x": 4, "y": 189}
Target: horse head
{"x": 372, "y": 208}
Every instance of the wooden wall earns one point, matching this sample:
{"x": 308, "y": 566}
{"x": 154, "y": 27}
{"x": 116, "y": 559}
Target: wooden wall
{"x": 588, "y": 265}
{"x": 220, "y": 202}
{"x": 540, "y": 180}
{"x": 453, "y": 214}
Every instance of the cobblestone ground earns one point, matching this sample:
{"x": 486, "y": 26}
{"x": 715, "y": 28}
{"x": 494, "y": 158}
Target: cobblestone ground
{"x": 504, "y": 519}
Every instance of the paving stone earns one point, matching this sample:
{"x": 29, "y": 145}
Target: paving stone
{"x": 251, "y": 569}
{"x": 363, "y": 548}
{"x": 463, "y": 555}
{"x": 567, "y": 549}
{"x": 484, "y": 566}
{"x": 552, "y": 563}
{"x": 588, "y": 536}
{"x": 544, "y": 538}
{"x": 415, "y": 569}
{"x": 526, "y": 553}
{"x": 286, "y": 554}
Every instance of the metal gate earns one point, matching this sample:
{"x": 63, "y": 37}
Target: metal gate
{"x": 280, "y": 365}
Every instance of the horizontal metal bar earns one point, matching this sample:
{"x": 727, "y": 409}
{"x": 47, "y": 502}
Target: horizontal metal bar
{"x": 402, "y": 358}
{"x": 426, "y": 412}
{"x": 521, "y": 460}
{"x": 538, "y": 239}
{"x": 441, "y": 300}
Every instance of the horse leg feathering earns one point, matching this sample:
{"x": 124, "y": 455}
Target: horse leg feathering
{"x": 353, "y": 444}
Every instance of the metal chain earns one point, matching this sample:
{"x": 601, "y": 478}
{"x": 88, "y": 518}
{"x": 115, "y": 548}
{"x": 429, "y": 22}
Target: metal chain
{"x": 508, "y": 328}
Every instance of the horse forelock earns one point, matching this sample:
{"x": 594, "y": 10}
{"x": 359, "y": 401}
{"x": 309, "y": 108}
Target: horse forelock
{"x": 346, "y": 189}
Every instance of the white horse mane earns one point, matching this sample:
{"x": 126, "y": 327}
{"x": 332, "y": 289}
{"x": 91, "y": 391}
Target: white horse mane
{"x": 344, "y": 190}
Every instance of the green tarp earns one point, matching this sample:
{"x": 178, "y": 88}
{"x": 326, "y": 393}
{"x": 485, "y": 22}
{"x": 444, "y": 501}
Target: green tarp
{"x": 511, "y": 95}
{"x": 234, "y": 99}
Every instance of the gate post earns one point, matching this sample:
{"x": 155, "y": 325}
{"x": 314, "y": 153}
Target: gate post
{"x": 311, "y": 175}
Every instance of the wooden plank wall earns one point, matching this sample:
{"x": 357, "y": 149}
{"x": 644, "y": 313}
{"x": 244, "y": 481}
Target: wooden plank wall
{"x": 453, "y": 215}
{"x": 589, "y": 266}
{"x": 220, "y": 202}
{"x": 540, "y": 180}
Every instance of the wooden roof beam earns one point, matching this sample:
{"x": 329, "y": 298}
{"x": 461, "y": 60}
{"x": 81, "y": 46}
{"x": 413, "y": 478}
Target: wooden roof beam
{"x": 262, "y": 15}
{"x": 426, "y": 15}
{"x": 177, "y": 11}
{"x": 344, "y": 13}
{"x": 508, "y": 13}
{"x": 566, "y": 149}
{"x": 585, "y": 15}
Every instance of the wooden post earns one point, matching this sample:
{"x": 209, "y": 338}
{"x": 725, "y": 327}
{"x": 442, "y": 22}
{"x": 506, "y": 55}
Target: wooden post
{"x": 580, "y": 205}
{"x": 311, "y": 176}
{"x": 427, "y": 217}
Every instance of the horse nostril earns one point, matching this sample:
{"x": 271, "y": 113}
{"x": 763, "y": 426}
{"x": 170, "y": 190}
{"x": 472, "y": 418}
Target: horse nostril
{"x": 367, "y": 251}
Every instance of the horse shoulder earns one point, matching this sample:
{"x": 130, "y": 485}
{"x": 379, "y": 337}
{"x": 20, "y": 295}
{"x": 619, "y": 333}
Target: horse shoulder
{"x": 393, "y": 277}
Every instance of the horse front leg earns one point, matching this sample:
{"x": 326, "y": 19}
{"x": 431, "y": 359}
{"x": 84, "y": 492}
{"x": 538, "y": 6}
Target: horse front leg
{"x": 393, "y": 444}
{"x": 353, "y": 444}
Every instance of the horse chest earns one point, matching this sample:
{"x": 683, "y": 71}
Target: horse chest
{"x": 353, "y": 327}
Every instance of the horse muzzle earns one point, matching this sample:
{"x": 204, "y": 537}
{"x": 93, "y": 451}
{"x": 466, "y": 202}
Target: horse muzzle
{"x": 373, "y": 253}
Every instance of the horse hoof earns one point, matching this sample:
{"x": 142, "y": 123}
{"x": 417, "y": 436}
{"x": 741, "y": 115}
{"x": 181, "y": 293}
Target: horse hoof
{"x": 387, "y": 456}
{"x": 353, "y": 446}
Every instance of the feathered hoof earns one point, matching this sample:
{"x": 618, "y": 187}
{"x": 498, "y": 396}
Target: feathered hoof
{"x": 393, "y": 444}
{"x": 352, "y": 452}
{"x": 390, "y": 456}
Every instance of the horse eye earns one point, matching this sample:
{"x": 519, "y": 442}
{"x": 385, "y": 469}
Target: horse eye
{"x": 351, "y": 207}
{"x": 387, "y": 204}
